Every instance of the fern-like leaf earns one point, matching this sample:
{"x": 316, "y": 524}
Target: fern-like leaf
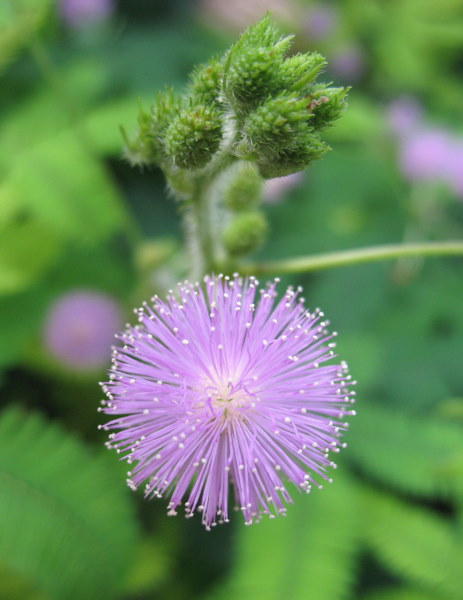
{"x": 400, "y": 593}
{"x": 308, "y": 554}
{"x": 65, "y": 520}
{"x": 415, "y": 543}
{"x": 413, "y": 454}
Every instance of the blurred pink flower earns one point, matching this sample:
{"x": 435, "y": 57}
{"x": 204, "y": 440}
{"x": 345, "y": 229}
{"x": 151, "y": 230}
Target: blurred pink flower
{"x": 321, "y": 22}
{"x": 276, "y": 188}
{"x": 348, "y": 63}
{"x": 403, "y": 115}
{"x": 424, "y": 155}
{"x": 454, "y": 175}
{"x": 81, "y": 12}
{"x": 79, "y": 328}
{"x": 239, "y": 14}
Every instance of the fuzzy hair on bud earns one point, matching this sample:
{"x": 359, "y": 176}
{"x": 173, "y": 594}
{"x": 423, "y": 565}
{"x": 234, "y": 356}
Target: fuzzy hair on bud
{"x": 245, "y": 233}
{"x": 206, "y": 81}
{"x": 193, "y": 137}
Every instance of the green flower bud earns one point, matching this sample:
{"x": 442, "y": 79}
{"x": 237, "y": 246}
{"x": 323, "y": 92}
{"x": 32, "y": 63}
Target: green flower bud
{"x": 148, "y": 146}
{"x": 244, "y": 187}
{"x": 326, "y": 104}
{"x": 139, "y": 151}
{"x": 206, "y": 81}
{"x": 252, "y": 66}
{"x": 245, "y": 233}
{"x": 252, "y": 77}
{"x": 294, "y": 159}
{"x": 276, "y": 125}
{"x": 193, "y": 137}
{"x": 300, "y": 71}
{"x": 263, "y": 34}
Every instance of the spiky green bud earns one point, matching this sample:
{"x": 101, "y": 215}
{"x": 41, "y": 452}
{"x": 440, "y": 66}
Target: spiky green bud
{"x": 206, "y": 81}
{"x": 252, "y": 77}
{"x": 278, "y": 124}
{"x": 294, "y": 159}
{"x": 298, "y": 72}
{"x": 245, "y": 233}
{"x": 252, "y": 66}
{"x": 148, "y": 146}
{"x": 193, "y": 137}
{"x": 326, "y": 104}
{"x": 244, "y": 187}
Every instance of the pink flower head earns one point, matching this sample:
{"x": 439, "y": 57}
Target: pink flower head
{"x": 454, "y": 175}
{"x": 348, "y": 63}
{"x": 80, "y": 12}
{"x": 80, "y": 327}
{"x": 424, "y": 155}
{"x": 276, "y": 188}
{"x": 239, "y": 14}
{"x": 217, "y": 385}
{"x": 321, "y": 22}
{"x": 403, "y": 116}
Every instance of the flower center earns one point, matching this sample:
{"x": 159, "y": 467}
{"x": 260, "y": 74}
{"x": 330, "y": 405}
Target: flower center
{"x": 226, "y": 400}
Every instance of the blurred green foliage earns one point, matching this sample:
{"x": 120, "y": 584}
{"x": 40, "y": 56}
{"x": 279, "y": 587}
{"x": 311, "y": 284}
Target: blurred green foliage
{"x": 73, "y": 215}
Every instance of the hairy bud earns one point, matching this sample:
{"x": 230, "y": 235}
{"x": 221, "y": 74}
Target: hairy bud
{"x": 252, "y": 76}
{"x": 244, "y": 187}
{"x": 276, "y": 125}
{"x": 293, "y": 159}
{"x": 300, "y": 71}
{"x": 206, "y": 81}
{"x": 148, "y": 146}
{"x": 326, "y": 104}
{"x": 193, "y": 137}
{"x": 245, "y": 233}
{"x": 252, "y": 66}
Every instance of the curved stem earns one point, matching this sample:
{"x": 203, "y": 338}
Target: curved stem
{"x": 351, "y": 257}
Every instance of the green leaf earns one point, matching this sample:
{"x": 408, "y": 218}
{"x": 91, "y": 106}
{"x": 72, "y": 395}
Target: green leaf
{"x": 311, "y": 551}
{"x": 66, "y": 522}
{"x": 27, "y": 250}
{"x": 19, "y": 19}
{"x": 400, "y": 593}
{"x": 411, "y": 453}
{"x": 415, "y": 543}
{"x": 60, "y": 184}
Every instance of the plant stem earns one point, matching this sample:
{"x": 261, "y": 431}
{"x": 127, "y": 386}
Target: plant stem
{"x": 351, "y": 257}
{"x": 199, "y": 217}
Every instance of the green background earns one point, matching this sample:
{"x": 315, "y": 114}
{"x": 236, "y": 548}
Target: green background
{"x": 74, "y": 215}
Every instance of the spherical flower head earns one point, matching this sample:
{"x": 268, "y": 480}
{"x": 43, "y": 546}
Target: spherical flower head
{"x": 220, "y": 385}
{"x": 80, "y": 12}
{"x": 80, "y": 327}
{"x": 424, "y": 155}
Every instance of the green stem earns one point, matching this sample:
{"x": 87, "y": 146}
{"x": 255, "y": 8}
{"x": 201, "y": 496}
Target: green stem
{"x": 199, "y": 217}
{"x": 352, "y": 257}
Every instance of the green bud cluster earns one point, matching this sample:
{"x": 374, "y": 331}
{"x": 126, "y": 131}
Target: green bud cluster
{"x": 251, "y": 115}
{"x": 254, "y": 104}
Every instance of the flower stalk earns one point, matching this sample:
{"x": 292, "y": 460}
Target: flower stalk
{"x": 330, "y": 260}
